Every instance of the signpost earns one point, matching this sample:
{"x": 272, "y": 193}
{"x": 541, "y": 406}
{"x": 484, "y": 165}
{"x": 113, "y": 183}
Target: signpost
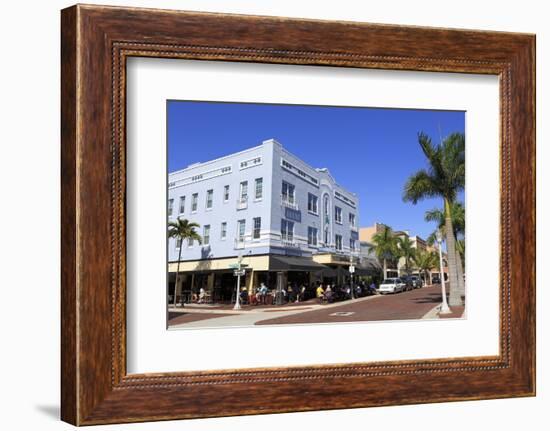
{"x": 238, "y": 272}
{"x": 351, "y": 271}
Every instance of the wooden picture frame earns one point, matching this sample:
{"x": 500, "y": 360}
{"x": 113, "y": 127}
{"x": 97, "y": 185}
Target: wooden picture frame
{"x": 95, "y": 43}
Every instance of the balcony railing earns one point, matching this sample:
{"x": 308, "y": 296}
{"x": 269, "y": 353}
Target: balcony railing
{"x": 289, "y": 202}
{"x": 242, "y": 203}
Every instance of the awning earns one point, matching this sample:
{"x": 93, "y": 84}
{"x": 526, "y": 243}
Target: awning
{"x": 368, "y": 267}
{"x": 329, "y": 272}
{"x": 292, "y": 263}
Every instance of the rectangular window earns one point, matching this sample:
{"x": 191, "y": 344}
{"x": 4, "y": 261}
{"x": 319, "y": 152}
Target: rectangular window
{"x": 240, "y": 229}
{"x": 327, "y": 237}
{"x": 225, "y": 193}
{"x": 170, "y": 206}
{"x": 312, "y": 236}
{"x": 257, "y": 226}
{"x": 352, "y": 219}
{"x": 287, "y": 230}
{"x": 194, "y": 202}
{"x": 209, "y": 198}
{"x": 206, "y": 234}
{"x": 190, "y": 242}
{"x": 182, "y": 204}
{"x": 312, "y": 203}
{"x": 178, "y": 243}
{"x": 244, "y": 191}
{"x": 352, "y": 244}
{"x": 338, "y": 215}
{"x": 338, "y": 241}
{"x": 288, "y": 192}
{"x": 223, "y": 231}
{"x": 259, "y": 188}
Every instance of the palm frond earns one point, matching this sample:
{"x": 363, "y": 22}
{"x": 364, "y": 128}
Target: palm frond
{"x": 419, "y": 186}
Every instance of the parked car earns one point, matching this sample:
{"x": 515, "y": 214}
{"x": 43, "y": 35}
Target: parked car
{"x": 391, "y": 285}
{"x": 417, "y": 281}
{"x": 409, "y": 282}
{"x": 436, "y": 279}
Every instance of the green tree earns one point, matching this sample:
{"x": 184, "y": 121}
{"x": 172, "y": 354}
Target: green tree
{"x": 444, "y": 177}
{"x": 385, "y": 247}
{"x": 458, "y": 217}
{"x": 425, "y": 261}
{"x": 407, "y": 251}
{"x": 461, "y": 248}
{"x": 182, "y": 229}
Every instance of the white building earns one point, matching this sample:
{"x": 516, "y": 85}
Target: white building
{"x": 266, "y": 204}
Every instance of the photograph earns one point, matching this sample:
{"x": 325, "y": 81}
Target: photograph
{"x": 282, "y": 214}
{"x": 256, "y": 213}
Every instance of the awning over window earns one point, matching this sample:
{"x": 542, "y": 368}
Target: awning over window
{"x": 368, "y": 267}
{"x": 292, "y": 263}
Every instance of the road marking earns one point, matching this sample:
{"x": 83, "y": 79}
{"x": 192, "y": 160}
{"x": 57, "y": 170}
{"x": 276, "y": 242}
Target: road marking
{"x": 342, "y": 313}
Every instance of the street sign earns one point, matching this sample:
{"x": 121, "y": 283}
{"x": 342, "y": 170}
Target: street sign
{"x": 239, "y": 272}
{"x": 236, "y": 265}
{"x": 352, "y": 269}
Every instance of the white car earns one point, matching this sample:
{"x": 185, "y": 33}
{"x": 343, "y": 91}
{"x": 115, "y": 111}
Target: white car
{"x": 392, "y": 285}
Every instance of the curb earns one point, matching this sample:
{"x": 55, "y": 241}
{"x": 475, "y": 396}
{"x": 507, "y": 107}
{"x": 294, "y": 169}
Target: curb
{"x": 433, "y": 313}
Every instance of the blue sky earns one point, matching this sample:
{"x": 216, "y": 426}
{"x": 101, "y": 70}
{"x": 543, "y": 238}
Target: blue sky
{"x": 369, "y": 151}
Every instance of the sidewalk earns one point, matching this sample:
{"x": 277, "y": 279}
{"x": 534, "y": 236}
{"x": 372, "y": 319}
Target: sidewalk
{"x": 417, "y": 304}
{"x": 195, "y": 317}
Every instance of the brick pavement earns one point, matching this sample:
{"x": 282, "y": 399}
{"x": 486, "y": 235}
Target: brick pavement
{"x": 179, "y": 318}
{"x": 400, "y": 306}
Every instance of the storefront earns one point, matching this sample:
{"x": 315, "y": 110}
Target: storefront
{"x": 218, "y": 280}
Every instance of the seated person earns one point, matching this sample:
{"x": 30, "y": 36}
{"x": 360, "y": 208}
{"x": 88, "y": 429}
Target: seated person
{"x": 261, "y": 294}
{"x": 302, "y": 294}
{"x": 328, "y": 294}
{"x": 202, "y": 295}
{"x": 290, "y": 293}
{"x": 244, "y": 295}
{"x": 320, "y": 292}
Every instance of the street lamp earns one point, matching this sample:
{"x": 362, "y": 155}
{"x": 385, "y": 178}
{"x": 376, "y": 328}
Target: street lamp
{"x": 238, "y": 272}
{"x": 351, "y": 271}
{"x": 444, "y": 309}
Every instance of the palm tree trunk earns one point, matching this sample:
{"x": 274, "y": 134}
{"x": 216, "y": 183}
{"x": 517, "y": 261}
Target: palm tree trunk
{"x": 385, "y": 270}
{"x": 177, "y": 277}
{"x": 460, "y": 275}
{"x": 454, "y": 294}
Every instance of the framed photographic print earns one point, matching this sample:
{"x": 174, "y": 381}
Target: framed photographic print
{"x": 276, "y": 211}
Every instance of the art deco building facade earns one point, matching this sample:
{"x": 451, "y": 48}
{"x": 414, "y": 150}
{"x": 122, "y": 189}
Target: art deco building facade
{"x": 267, "y": 205}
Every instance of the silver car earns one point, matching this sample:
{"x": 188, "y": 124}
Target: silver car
{"x": 391, "y": 285}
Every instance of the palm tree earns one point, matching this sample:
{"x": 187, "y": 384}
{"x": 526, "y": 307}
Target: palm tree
{"x": 385, "y": 247}
{"x": 458, "y": 218}
{"x": 406, "y": 251}
{"x": 461, "y": 248}
{"x": 182, "y": 229}
{"x": 444, "y": 178}
{"x": 425, "y": 261}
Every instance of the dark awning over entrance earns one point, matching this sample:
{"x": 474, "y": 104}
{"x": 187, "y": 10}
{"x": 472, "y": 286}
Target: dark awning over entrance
{"x": 329, "y": 272}
{"x": 368, "y": 267}
{"x": 291, "y": 263}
